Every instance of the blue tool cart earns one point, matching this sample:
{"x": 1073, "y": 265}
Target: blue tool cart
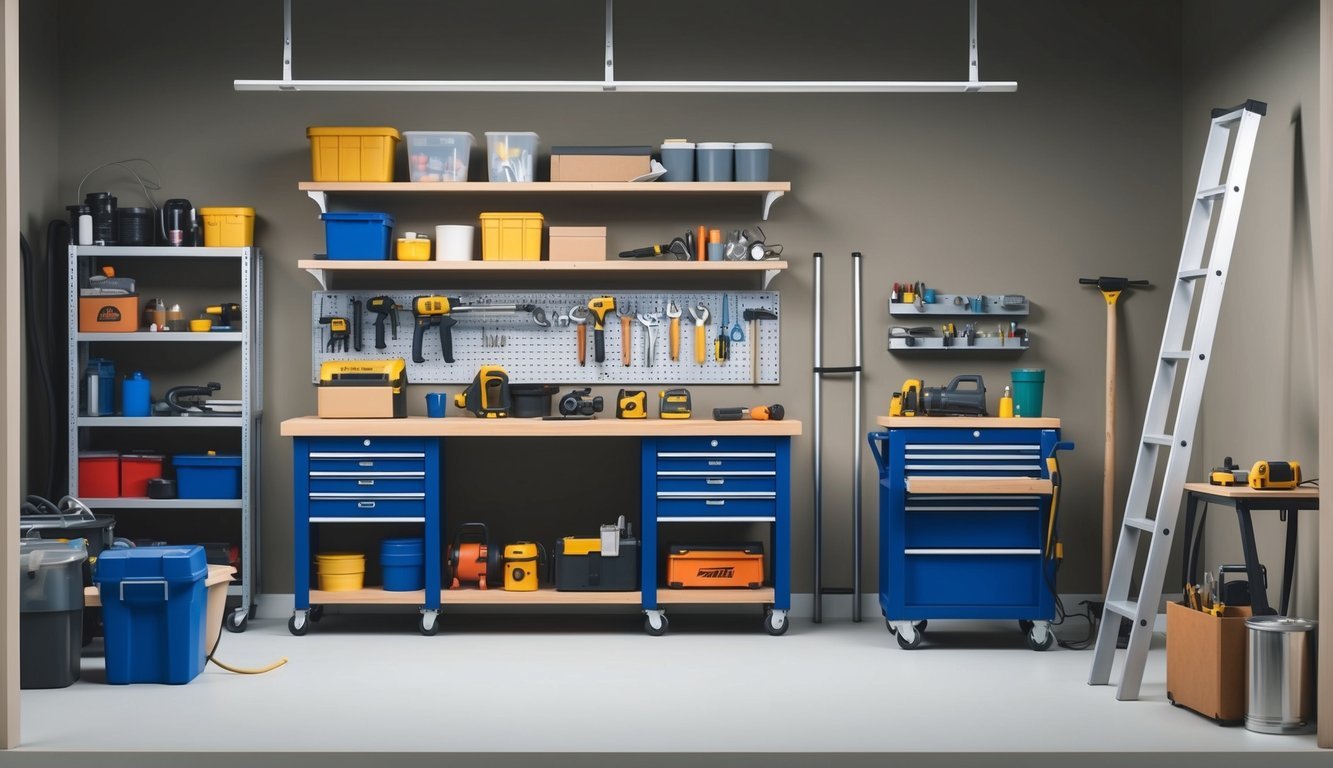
{"x": 966, "y": 523}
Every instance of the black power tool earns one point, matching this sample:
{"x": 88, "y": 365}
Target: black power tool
{"x": 952, "y": 400}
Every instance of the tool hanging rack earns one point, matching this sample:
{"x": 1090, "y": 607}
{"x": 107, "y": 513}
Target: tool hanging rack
{"x": 609, "y": 84}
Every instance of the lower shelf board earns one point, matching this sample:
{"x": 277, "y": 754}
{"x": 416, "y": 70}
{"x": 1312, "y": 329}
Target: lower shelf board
{"x": 546, "y": 596}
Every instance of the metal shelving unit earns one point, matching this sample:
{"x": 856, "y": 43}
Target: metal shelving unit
{"x": 250, "y": 264}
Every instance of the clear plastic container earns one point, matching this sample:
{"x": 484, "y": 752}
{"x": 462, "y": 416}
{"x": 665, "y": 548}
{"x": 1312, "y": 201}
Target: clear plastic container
{"x": 438, "y": 155}
{"x": 511, "y": 156}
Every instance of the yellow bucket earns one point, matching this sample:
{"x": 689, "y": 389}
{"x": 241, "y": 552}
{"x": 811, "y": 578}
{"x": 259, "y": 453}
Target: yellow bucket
{"x": 340, "y": 563}
{"x": 228, "y": 227}
{"x": 341, "y": 582}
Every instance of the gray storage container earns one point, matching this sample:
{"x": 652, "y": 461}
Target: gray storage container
{"x": 752, "y": 160}
{"x": 714, "y": 161}
{"x": 1280, "y": 675}
{"x": 678, "y": 159}
{"x": 50, "y": 612}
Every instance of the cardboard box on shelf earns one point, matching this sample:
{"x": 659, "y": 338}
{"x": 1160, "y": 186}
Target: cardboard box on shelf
{"x": 577, "y": 244}
{"x": 599, "y": 163}
{"x": 1205, "y": 661}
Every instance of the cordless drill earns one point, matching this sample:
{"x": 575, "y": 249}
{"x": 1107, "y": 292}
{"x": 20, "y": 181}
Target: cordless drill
{"x": 383, "y": 307}
{"x": 600, "y": 308}
{"x": 428, "y": 311}
{"x": 226, "y": 313}
{"x": 339, "y": 333}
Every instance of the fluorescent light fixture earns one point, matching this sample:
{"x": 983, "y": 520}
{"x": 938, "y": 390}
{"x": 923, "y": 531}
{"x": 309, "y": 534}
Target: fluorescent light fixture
{"x": 609, "y": 84}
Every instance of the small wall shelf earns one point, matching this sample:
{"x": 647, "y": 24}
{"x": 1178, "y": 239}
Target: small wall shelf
{"x": 322, "y": 269}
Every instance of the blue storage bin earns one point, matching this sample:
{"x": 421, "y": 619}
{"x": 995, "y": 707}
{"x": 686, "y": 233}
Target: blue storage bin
{"x": 153, "y": 611}
{"x": 207, "y": 476}
{"x": 358, "y": 236}
{"x": 402, "y": 563}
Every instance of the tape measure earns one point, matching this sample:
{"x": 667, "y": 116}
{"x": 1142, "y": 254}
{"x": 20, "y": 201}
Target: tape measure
{"x": 632, "y": 404}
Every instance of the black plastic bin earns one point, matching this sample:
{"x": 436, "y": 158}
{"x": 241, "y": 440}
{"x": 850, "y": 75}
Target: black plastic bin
{"x": 50, "y": 612}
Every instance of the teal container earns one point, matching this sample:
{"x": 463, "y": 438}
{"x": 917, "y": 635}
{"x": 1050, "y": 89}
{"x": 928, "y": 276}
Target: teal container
{"x": 1028, "y": 385}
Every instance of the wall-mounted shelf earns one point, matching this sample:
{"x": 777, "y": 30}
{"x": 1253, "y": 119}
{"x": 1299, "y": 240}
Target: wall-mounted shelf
{"x": 769, "y": 191}
{"x": 958, "y": 344}
{"x": 944, "y": 304}
{"x": 163, "y": 252}
{"x": 171, "y": 337}
{"x": 994, "y": 312}
{"x": 322, "y": 269}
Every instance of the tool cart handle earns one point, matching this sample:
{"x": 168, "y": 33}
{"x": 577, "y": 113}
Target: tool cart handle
{"x": 874, "y": 439}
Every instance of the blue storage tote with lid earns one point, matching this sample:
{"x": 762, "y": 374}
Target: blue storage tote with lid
{"x": 153, "y": 609}
{"x": 357, "y": 236}
{"x": 207, "y": 476}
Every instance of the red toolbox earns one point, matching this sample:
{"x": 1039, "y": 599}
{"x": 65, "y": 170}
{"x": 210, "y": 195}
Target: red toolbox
{"x": 99, "y": 474}
{"x": 136, "y": 469}
{"x": 736, "y": 566}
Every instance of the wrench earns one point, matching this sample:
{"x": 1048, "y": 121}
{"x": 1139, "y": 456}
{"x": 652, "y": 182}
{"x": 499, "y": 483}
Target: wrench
{"x": 701, "y": 318}
{"x": 673, "y": 312}
{"x": 626, "y": 330}
{"x": 737, "y": 332}
{"x": 652, "y": 321}
{"x": 579, "y": 317}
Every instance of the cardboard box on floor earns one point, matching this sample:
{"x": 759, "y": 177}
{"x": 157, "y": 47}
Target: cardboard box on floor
{"x": 1205, "y": 661}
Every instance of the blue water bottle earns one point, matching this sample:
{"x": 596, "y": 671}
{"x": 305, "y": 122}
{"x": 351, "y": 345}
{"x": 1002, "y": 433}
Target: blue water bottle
{"x": 134, "y": 398}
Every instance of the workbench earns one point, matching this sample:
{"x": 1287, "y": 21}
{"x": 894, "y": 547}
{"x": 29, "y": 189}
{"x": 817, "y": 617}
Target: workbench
{"x": 965, "y": 522}
{"x": 1244, "y": 499}
{"x": 693, "y": 470}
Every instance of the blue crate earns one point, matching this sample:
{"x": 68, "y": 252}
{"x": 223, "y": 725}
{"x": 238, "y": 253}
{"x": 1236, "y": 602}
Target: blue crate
{"x": 207, "y": 476}
{"x": 358, "y": 236}
{"x": 153, "y": 613}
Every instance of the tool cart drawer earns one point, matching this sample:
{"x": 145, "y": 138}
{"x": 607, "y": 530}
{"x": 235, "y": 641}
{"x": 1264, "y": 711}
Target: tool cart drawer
{"x": 762, "y": 445}
{"x": 972, "y": 577}
{"x": 354, "y": 506}
{"x": 368, "y": 483}
{"x": 973, "y": 459}
{"x": 730, "y": 461}
{"x": 973, "y": 521}
{"x": 405, "y": 461}
{"x": 355, "y": 447}
{"x": 761, "y": 506}
{"x": 716, "y": 482}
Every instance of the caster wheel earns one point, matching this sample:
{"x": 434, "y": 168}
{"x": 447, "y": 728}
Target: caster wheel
{"x": 906, "y": 644}
{"x": 1046, "y": 642}
{"x": 298, "y": 624}
{"x": 776, "y": 624}
{"x": 237, "y": 621}
{"x": 658, "y": 630}
{"x": 316, "y": 613}
{"x": 429, "y": 626}
{"x": 921, "y": 626}
{"x": 1025, "y": 626}
{"x": 889, "y": 625}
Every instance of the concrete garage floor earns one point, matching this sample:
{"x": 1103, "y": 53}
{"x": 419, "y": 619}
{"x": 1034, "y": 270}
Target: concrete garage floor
{"x": 512, "y": 684}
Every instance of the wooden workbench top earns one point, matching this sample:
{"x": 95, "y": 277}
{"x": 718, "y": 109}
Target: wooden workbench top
{"x": 1246, "y": 492}
{"x": 468, "y": 426}
{"x": 965, "y": 422}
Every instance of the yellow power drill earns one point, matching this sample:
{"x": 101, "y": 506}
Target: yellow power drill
{"x": 428, "y": 311}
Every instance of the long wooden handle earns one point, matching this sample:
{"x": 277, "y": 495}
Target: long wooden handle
{"x": 675, "y": 338}
{"x": 583, "y": 344}
{"x": 699, "y": 345}
{"x": 754, "y": 351}
{"x": 624, "y": 339}
{"x": 1108, "y": 469}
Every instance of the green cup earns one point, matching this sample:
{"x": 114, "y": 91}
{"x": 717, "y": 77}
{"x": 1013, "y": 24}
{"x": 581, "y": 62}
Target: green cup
{"x": 1028, "y": 384}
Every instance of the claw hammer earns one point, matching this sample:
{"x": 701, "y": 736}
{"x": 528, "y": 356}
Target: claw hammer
{"x": 754, "y": 316}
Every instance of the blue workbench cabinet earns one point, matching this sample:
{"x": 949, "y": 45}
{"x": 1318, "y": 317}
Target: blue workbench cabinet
{"x": 965, "y": 523}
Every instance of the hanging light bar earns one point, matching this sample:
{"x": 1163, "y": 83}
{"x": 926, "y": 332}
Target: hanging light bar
{"x": 610, "y": 85}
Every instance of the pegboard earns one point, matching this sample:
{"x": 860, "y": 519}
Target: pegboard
{"x": 530, "y": 353}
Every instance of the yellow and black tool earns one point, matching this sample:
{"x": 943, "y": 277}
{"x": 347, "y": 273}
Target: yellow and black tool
{"x": 433, "y": 311}
{"x": 226, "y": 314}
{"x": 600, "y": 307}
{"x": 1229, "y": 473}
{"x": 488, "y": 395}
{"x": 632, "y": 404}
{"x": 673, "y": 403}
{"x": 384, "y": 309}
{"x": 1275, "y": 475}
{"x": 908, "y": 401}
{"x": 339, "y": 333}
{"x": 522, "y": 561}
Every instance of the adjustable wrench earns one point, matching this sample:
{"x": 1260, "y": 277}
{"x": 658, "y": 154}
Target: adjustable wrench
{"x": 579, "y": 317}
{"x": 673, "y": 312}
{"x": 652, "y": 321}
{"x": 701, "y": 318}
{"x": 626, "y": 331}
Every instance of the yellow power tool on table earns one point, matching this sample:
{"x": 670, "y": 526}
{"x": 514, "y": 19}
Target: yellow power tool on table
{"x": 1275, "y": 475}
{"x": 908, "y": 401}
{"x": 673, "y": 403}
{"x": 488, "y": 395}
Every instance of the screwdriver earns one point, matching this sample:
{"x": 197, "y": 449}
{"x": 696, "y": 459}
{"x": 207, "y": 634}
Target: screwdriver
{"x": 758, "y": 413}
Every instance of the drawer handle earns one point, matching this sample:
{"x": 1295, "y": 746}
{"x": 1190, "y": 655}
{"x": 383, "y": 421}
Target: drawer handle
{"x": 365, "y": 463}
{"x": 365, "y": 505}
{"x": 365, "y": 482}
{"x": 714, "y": 463}
{"x": 715, "y": 502}
{"x": 716, "y": 481}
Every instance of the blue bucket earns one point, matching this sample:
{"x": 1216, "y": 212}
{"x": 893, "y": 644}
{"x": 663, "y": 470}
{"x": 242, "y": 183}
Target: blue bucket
{"x": 402, "y": 563}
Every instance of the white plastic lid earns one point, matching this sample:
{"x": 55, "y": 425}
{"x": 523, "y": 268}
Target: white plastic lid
{"x": 677, "y": 145}
{"x": 511, "y": 133}
{"x": 716, "y": 145}
{"x": 753, "y": 145}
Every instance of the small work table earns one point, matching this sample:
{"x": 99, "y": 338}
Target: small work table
{"x": 693, "y": 470}
{"x": 1245, "y": 499}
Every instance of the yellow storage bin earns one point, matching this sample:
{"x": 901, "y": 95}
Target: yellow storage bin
{"x": 511, "y": 236}
{"x": 341, "y": 571}
{"x": 352, "y": 154}
{"x": 413, "y": 247}
{"x": 228, "y": 227}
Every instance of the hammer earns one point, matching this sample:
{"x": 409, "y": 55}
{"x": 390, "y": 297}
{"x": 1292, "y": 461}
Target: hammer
{"x": 1111, "y": 288}
{"x": 754, "y": 316}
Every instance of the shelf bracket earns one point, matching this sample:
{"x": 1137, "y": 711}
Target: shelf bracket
{"x": 769, "y": 274}
{"x": 321, "y": 276}
{"x": 320, "y": 198}
{"x": 769, "y": 198}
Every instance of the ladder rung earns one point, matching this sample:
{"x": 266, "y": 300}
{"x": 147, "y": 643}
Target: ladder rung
{"x": 1191, "y": 274}
{"x": 1127, "y": 608}
{"x": 1142, "y": 523}
{"x": 1176, "y": 354}
{"x": 1211, "y": 193}
{"x": 1158, "y": 439}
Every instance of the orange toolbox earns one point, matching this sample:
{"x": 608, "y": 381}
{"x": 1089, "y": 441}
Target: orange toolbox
{"x": 716, "y": 565}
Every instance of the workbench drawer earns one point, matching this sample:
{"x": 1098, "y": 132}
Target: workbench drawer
{"x": 346, "y": 505}
{"x": 975, "y": 577}
{"x": 717, "y": 507}
{"x": 406, "y": 461}
{"x": 961, "y": 523}
{"x": 717, "y": 482}
{"x": 667, "y": 445}
{"x": 414, "y": 482}
{"x": 368, "y": 445}
{"x": 734, "y": 461}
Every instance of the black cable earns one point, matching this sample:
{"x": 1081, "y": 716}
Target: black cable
{"x": 37, "y": 353}
{"x": 57, "y": 340}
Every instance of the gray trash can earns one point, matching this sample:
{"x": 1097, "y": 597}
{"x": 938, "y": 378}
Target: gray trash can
{"x": 50, "y": 612}
{"x": 1280, "y": 675}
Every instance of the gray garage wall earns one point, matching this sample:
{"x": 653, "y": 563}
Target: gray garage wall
{"x": 1262, "y": 396}
{"x": 1077, "y": 174}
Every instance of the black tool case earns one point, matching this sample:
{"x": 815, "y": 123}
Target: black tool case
{"x": 580, "y": 566}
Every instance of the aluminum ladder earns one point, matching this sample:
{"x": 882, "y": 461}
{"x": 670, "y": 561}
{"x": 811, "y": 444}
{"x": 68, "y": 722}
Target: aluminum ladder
{"x": 1222, "y": 180}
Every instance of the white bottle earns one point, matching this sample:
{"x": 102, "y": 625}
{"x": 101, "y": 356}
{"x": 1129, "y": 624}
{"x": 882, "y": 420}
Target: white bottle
{"x": 85, "y": 229}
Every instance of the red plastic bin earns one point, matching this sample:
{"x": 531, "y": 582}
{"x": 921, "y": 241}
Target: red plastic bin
{"x": 99, "y": 474}
{"x": 136, "y": 469}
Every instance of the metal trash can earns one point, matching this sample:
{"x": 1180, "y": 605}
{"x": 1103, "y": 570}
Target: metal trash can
{"x": 1280, "y": 675}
